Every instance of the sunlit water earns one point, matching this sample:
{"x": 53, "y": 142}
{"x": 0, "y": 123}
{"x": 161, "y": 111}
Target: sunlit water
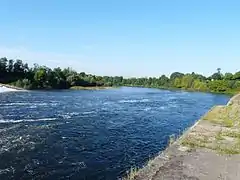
{"x": 91, "y": 134}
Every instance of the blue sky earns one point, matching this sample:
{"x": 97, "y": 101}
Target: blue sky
{"x": 127, "y": 37}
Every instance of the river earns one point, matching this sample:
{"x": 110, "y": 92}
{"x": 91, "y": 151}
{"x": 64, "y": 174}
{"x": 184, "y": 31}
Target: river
{"x": 91, "y": 135}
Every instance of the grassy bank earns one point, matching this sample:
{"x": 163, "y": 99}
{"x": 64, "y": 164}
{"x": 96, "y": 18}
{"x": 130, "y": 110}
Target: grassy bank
{"x": 220, "y": 131}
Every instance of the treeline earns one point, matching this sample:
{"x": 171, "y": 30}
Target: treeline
{"x": 20, "y": 74}
{"x": 227, "y": 83}
{"x": 41, "y": 77}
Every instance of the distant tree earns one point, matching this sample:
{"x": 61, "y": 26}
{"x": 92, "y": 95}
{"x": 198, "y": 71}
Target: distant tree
{"x": 10, "y": 66}
{"x": 228, "y": 76}
{"x": 41, "y": 77}
{"x": 176, "y": 75}
{"x": 187, "y": 81}
{"x": 219, "y": 70}
{"x": 163, "y": 80}
{"x": 3, "y": 65}
{"x": 218, "y": 86}
{"x": 177, "y": 83}
{"x": 82, "y": 74}
{"x": 236, "y": 76}
{"x": 216, "y": 76}
{"x": 199, "y": 85}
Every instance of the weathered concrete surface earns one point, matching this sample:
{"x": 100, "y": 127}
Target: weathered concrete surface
{"x": 235, "y": 100}
{"x": 210, "y": 150}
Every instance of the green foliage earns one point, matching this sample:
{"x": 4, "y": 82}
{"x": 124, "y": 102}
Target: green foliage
{"x": 187, "y": 81}
{"x": 236, "y": 76}
{"x": 218, "y": 86}
{"x": 42, "y": 77}
{"x": 215, "y": 83}
{"x": 228, "y": 76}
{"x": 177, "y": 83}
{"x": 176, "y": 75}
{"x": 199, "y": 85}
{"x": 215, "y": 76}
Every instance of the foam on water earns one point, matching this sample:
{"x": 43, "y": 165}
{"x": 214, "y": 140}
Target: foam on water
{"x": 65, "y": 116}
{"x": 134, "y": 101}
{"x": 18, "y": 104}
{"x": 147, "y": 109}
{"x": 88, "y": 112}
{"x": 74, "y": 113}
{"x": 7, "y": 170}
{"x": 108, "y": 131}
{"x": 25, "y": 120}
{"x": 5, "y": 89}
{"x": 30, "y": 104}
{"x": 162, "y": 107}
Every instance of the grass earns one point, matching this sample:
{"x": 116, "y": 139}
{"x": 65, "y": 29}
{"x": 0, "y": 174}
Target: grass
{"x": 218, "y": 142}
{"x": 227, "y": 116}
{"x": 219, "y": 137}
{"x": 194, "y": 142}
{"x": 222, "y": 134}
{"x": 217, "y": 145}
{"x": 172, "y": 139}
{"x": 232, "y": 134}
{"x": 230, "y": 151}
{"x": 131, "y": 174}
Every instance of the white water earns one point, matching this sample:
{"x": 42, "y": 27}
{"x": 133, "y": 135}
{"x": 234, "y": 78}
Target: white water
{"x": 5, "y": 89}
{"x": 25, "y": 120}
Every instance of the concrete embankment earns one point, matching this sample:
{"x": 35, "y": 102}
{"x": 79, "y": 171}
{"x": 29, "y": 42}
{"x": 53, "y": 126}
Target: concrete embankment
{"x": 7, "y": 88}
{"x": 209, "y": 150}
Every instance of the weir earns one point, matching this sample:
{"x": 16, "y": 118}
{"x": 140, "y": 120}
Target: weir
{"x": 6, "y": 88}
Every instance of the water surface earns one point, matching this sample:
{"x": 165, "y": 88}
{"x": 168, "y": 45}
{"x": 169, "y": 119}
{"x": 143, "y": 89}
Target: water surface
{"x": 91, "y": 134}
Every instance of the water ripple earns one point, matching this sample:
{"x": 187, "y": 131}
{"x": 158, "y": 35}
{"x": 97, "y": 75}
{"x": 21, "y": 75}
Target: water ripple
{"x": 91, "y": 134}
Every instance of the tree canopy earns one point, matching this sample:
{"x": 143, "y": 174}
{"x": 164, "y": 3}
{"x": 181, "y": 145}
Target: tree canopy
{"x": 41, "y": 77}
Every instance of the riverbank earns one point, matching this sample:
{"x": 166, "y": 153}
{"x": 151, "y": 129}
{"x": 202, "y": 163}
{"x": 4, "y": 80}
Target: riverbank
{"x": 230, "y": 92}
{"x": 7, "y": 87}
{"x": 208, "y": 150}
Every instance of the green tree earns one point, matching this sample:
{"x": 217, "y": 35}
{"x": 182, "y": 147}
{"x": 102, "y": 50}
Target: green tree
{"x": 41, "y": 77}
{"x": 216, "y": 76}
{"x": 228, "y": 76}
{"x": 199, "y": 85}
{"x": 10, "y": 66}
{"x": 187, "y": 81}
{"x": 176, "y": 75}
{"x": 177, "y": 83}
{"x": 236, "y": 76}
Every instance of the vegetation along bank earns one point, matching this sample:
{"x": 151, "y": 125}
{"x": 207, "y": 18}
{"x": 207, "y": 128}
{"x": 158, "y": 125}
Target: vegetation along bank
{"x": 18, "y": 73}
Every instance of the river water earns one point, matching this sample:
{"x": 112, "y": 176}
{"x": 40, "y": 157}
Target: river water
{"x": 91, "y": 134}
